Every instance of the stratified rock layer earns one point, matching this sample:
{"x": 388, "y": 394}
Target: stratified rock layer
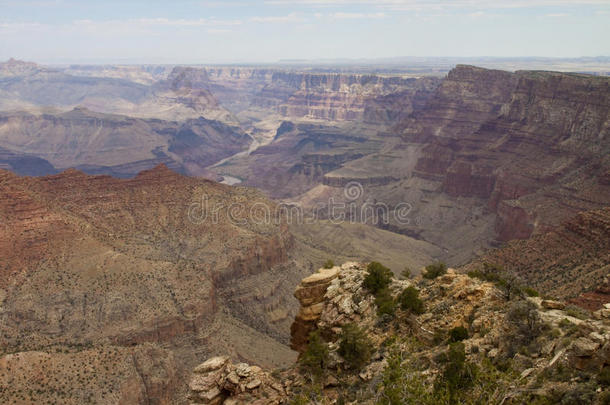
{"x": 219, "y": 381}
{"x": 310, "y": 294}
{"x": 125, "y": 280}
{"x": 572, "y": 261}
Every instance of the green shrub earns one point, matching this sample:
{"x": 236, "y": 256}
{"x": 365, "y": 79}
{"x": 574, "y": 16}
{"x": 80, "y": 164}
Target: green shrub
{"x": 402, "y": 383}
{"x": 525, "y": 325}
{"x": 458, "y": 334}
{"x": 354, "y": 346}
{"x": 604, "y": 376}
{"x": 530, "y": 292}
{"x": 439, "y": 336}
{"x": 406, "y": 273}
{"x": 434, "y": 270}
{"x": 315, "y": 358}
{"x": 458, "y": 374}
{"x": 508, "y": 283}
{"x": 409, "y": 301}
{"x": 329, "y": 264}
{"x": 576, "y": 312}
{"x": 385, "y": 303}
{"x": 378, "y": 277}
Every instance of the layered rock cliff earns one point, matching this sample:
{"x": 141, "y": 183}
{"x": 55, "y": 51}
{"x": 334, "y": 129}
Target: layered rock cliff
{"x": 119, "y": 145}
{"x": 522, "y": 142}
{"x": 317, "y": 95}
{"x": 572, "y": 261}
{"x": 492, "y": 156}
{"x": 340, "y": 97}
{"x": 116, "y": 287}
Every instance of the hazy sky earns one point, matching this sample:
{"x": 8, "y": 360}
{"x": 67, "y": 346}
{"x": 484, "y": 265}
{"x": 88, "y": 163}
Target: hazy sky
{"x": 199, "y": 31}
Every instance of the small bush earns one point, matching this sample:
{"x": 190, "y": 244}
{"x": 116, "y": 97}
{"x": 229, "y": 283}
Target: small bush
{"x": 525, "y": 325}
{"x": 315, "y": 358}
{"x": 457, "y": 374}
{"x": 354, "y": 346}
{"x": 329, "y": 264}
{"x": 530, "y": 292}
{"x": 406, "y": 273}
{"x": 377, "y": 278}
{"x": 508, "y": 283}
{"x": 576, "y": 312}
{"x": 409, "y": 301}
{"x": 434, "y": 270}
{"x": 385, "y": 303}
{"x": 439, "y": 336}
{"x": 604, "y": 377}
{"x": 458, "y": 334}
{"x": 401, "y": 383}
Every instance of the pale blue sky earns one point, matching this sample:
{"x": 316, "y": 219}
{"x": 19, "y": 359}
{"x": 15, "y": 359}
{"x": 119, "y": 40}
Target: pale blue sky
{"x": 200, "y": 31}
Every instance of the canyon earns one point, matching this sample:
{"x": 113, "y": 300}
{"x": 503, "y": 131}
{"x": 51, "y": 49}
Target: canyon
{"x": 125, "y": 263}
{"x": 124, "y": 285}
{"x": 119, "y": 145}
{"x": 480, "y": 162}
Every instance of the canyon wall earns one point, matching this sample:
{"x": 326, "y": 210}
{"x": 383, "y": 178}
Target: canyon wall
{"x": 134, "y": 277}
{"x": 491, "y": 156}
{"x": 171, "y": 96}
{"x": 118, "y": 145}
{"x": 571, "y": 261}
{"x": 522, "y": 142}
{"x": 317, "y": 95}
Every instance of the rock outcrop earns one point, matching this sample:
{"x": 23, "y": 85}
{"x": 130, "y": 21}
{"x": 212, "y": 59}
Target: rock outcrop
{"x": 310, "y": 294}
{"x": 532, "y": 349}
{"x": 219, "y": 381}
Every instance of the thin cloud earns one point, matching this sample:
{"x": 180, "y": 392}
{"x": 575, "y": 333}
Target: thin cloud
{"x": 438, "y": 4}
{"x": 477, "y": 14}
{"x": 290, "y": 18}
{"x": 356, "y": 16}
{"x": 218, "y": 31}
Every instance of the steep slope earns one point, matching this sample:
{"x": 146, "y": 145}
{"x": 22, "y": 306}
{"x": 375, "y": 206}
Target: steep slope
{"x": 24, "y": 164}
{"x": 129, "y": 276}
{"x": 119, "y": 145}
{"x": 175, "y": 97}
{"x": 492, "y": 156}
{"x": 572, "y": 261}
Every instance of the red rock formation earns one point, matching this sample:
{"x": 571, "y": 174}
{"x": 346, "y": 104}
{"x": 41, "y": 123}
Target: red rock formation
{"x": 572, "y": 261}
{"x": 101, "y": 262}
{"x": 522, "y": 142}
{"x": 326, "y": 96}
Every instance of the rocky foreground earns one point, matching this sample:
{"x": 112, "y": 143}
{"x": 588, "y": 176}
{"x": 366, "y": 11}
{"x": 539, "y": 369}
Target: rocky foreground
{"x": 453, "y": 338}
